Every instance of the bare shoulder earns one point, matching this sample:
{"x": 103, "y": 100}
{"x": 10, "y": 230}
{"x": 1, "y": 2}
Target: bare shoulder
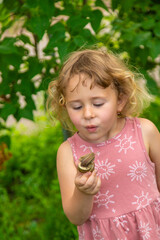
{"x": 64, "y": 153}
{"x": 65, "y": 163}
{"x": 65, "y": 146}
{"x": 148, "y": 128}
{"x": 151, "y": 138}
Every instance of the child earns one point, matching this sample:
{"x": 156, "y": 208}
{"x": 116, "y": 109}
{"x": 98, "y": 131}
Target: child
{"x": 120, "y": 200}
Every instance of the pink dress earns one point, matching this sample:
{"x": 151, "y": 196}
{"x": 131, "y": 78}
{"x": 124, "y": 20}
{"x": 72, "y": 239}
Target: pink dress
{"x": 127, "y": 207}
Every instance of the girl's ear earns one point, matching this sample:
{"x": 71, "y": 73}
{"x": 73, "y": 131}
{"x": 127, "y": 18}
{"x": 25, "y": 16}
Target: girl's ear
{"x": 122, "y": 100}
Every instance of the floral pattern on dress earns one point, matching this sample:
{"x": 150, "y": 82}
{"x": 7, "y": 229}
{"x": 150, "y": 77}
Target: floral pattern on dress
{"x": 142, "y": 200}
{"x": 138, "y": 171}
{"x": 125, "y": 144}
{"x": 97, "y": 235}
{"x": 104, "y": 169}
{"x": 144, "y": 229}
{"x": 103, "y": 199}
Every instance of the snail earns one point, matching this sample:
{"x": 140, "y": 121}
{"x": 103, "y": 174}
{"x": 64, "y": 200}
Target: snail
{"x": 86, "y": 163}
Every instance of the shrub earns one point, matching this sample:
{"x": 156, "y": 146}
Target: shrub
{"x": 30, "y": 202}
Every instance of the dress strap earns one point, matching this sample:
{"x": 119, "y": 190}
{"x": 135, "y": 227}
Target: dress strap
{"x": 138, "y": 128}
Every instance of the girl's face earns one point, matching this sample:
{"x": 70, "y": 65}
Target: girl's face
{"x": 93, "y": 111}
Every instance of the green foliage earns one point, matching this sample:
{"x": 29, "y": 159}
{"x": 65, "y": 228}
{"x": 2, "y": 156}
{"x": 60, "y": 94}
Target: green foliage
{"x": 25, "y": 68}
{"x": 30, "y": 202}
{"x": 138, "y": 25}
{"x": 62, "y": 23}
{"x": 135, "y": 30}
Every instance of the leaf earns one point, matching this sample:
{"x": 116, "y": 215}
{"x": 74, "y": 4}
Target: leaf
{"x": 4, "y": 87}
{"x": 126, "y": 5}
{"x": 79, "y": 40}
{"x": 26, "y": 87}
{"x": 143, "y": 54}
{"x": 95, "y": 18}
{"x": 35, "y": 67}
{"x": 154, "y": 46}
{"x": 157, "y": 29}
{"x": 151, "y": 83}
{"x": 63, "y": 49}
{"x": 7, "y": 109}
{"x": 141, "y": 38}
{"x": 76, "y": 23}
{"x": 100, "y": 3}
{"x": 115, "y": 4}
{"x": 25, "y": 39}
{"x": 7, "y": 46}
{"x": 148, "y": 24}
{"x": 25, "y": 113}
{"x": 90, "y": 38}
{"x": 5, "y": 139}
{"x": 128, "y": 35}
{"x": 56, "y": 33}
{"x": 38, "y": 25}
{"x": 123, "y": 4}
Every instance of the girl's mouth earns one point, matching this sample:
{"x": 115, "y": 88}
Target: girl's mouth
{"x": 91, "y": 128}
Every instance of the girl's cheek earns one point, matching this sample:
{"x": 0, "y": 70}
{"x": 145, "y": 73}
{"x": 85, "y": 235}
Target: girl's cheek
{"x": 74, "y": 118}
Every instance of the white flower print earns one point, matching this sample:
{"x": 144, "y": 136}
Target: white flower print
{"x": 157, "y": 206}
{"x": 92, "y": 216}
{"x": 142, "y": 200}
{"x": 113, "y": 210}
{"x": 122, "y": 238}
{"x": 97, "y": 234}
{"x": 138, "y": 171}
{"x": 158, "y": 230}
{"x": 144, "y": 229}
{"x": 154, "y": 180}
{"x": 125, "y": 144}
{"x": 138, "y": 125}
{"x": 121, "y": 221}
{"x": 103, "y": 199}
{"x": 74, "y": 152}
{"x": 85, "y": 148}
{"x": 105, "y": 169}
{"x": 101, "y": 144}
{"x": 81, "y": 233}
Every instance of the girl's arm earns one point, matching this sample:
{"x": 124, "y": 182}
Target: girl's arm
{"x": 151, "y": 137}
{"x": 77, "y": 189}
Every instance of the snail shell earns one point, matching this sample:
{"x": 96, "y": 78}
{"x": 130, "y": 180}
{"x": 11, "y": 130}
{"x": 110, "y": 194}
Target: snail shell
{"x": 86, "y": 163}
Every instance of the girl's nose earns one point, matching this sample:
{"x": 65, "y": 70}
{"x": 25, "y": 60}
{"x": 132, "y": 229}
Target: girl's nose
{"x": 88, "y": 112}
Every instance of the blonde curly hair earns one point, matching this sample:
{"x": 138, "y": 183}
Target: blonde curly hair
{"x": 104, "y": 69}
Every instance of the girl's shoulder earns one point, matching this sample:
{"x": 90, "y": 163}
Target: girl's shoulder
{"x": 64, "y": 155}
{"x": 64, "y": 149}
{"x": 148, "y": 127}
{"x": 151, "y": 138}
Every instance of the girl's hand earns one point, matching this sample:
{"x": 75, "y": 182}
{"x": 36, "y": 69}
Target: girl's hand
{"x": 88, "y": 183}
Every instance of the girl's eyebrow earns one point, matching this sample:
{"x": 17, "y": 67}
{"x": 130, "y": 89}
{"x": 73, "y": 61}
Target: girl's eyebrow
{"x": 78, "y": 100}
{"x": 73, "y": 101}
{"x": 98, "y": 97}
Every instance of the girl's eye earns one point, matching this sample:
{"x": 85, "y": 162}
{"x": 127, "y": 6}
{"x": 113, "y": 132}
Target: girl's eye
{"x": 98, "y": 104}
{"x": 77, "y": 107}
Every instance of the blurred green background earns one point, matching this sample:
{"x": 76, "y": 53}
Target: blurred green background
{"x": 35, "y": 37}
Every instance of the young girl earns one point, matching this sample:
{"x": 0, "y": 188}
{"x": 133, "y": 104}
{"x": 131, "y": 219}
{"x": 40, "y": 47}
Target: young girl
{"x": 120, "y": 200}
